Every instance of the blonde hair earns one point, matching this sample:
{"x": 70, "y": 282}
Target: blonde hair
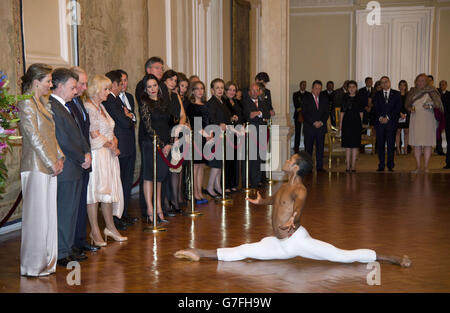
{"x": 97, "y": 83}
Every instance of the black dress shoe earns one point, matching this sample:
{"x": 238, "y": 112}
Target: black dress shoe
{"x": 447, "y": 167}
{"x": 64, "y": 261}
{"x": 79, "y": 255}
{"x": 390, "y": 169}
{"x": 90, "y": 248}
{"x": 380, "y": 169}
{"x": 130, "y": 220}
{"x": 320, "y": 170}
{"x": 170, "y": 213}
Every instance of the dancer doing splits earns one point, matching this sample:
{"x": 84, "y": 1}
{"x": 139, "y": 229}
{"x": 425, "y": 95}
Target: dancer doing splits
{"x": 291, "y": 239}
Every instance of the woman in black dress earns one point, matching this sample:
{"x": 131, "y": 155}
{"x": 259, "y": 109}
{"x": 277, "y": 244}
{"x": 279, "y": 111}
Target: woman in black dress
{"x": 403, "y": 121}
{"x": 351, "y": 125}
{"x": 218, "y": 115}
{"x": 156, "y": 115}
{"x": 235, "y": 107}
{"x": 198, "y": 110}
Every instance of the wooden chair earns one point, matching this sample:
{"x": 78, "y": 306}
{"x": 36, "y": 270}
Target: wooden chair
{"x": 333, "y": 140}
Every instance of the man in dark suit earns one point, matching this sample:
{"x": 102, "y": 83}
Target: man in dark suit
{"x": 127, "y": 162}
{"x": 263, "y": 78}
{"x": 339, "y": 94}
{"x": 298, "y": 114}
{"x": 155, "y": 66}
{"x": 124, "y": 128}
{"x": 365, "y": 92}
{"x": 445, "y": 96}
{"x": 77, "y": 107}
{"x": 256, "y": 111}
{"x": 329, "y": 92}
{"x": 387, "y": 106}
{"x": 316, "y": 111}
{"x": 74, "y": 146}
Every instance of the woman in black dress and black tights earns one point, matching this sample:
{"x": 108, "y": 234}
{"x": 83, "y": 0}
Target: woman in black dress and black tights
{"x": 197, "y": 108}
{"x": 156, "y": 115}
{"x": 403, "y": 122}
{"x": 218, "y": 115}
{"x": 235, "y": 107}
{"x": 351, "y": 125}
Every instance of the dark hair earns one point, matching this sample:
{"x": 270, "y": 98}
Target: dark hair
{"x": 114, "y": 76}
{"x": 182, "y": 78}
{"x": 262, "y": 76}
{"x": 305, "y": 163}
{"x": 168, "y": 74}
{"x": 303, "y": 81}
{"x": 191, "y": 92}
{"x": 316, "y": 82}
{"x": 217, "y": 80}
{"x": 367, "y": 78}
{"x": 152, "y": 61}
{"x": 403, "y": 82}
{"x": 431, "y": 76}
{"x": 122, "y": 72}
{"x": 330, "y": 82}
{"x": 145, "y": 98}
{"x": 36, "y": 71}
{"x": 352, "y": 82}
{"x": 61, "y": 76}
{"x": 385, "y": 77}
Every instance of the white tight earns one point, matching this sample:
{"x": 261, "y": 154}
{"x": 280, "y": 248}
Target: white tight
{"x": 299, "y": 244}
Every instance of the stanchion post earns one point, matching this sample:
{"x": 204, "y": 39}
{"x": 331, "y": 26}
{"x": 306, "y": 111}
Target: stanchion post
{"x": 192, "y": 213}
{"x": 224, "y": 200}
{"x": 247, "y": 156}
{"x": 270, "y": 152}
{"x": 155, "y": 229}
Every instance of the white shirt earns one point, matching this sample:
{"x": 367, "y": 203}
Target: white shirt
{"x": 257, "y": 106}
{"x": 60, "y": 100}
{"x": 386, "y": 91}
{"x": 124, "y": 99}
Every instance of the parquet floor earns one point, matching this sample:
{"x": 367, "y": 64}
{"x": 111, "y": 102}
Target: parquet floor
{"x": 394, "y": 214}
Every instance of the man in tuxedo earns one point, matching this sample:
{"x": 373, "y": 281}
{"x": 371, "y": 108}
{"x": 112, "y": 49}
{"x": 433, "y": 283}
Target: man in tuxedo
{"x": 77, "y": 107}
{"x": 339, "y": 95}
{"x": 445, "y": 96}
{"x": 316, "y": 111}
{"x": 124, "y": 128}
{"x": 329, "y": 92}
{"x": 256, "y": 111}
{"x": 155, "y": 66}
{"x": 263, "y": 78}
{"x": 298, "y": 114}
{"x": 365, "y": 92}
{"x": 127, "y": 162}
{"x": 78, "y": 158}
{"x": 387, "y": 106}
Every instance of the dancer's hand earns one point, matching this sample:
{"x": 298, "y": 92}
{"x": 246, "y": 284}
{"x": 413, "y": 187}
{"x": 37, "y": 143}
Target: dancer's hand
{"x": 289, "y": 224}
{"x": 255, "y": 201}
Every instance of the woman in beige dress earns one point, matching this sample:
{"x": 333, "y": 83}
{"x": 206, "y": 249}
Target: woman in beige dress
{"x": 104, "y": 186}
{"x": 421, "y": 102}
{"x": 42, "y": 160}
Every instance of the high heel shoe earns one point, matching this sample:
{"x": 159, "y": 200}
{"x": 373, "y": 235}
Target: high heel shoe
{"x": 162, "y": 219}
{"x": 149, "y": 219}
{"x": 214, "y": 197}
{"x": 97, "y": 243}
{"x": 109, "y": 233}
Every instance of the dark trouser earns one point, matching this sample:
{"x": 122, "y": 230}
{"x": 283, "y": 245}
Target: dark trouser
{"x": 386, "y": 135}
{"x": 316, "y": 136}
{"x": 232, "y": 173}
{"x": 68, "y": 201}
{"x": 298, "y": 135}
{"x": 447, "y": 137}
{"x": 126, "y": 176}
{"x": 80, "y": 230}
{"x": 142, "y": 202}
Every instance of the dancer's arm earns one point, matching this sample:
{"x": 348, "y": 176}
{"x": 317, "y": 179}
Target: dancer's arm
{"x": 260, "y": 201}
{"x": 294, "y": 221}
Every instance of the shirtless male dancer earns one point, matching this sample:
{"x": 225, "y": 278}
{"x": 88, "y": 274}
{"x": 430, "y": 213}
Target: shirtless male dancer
{"x": 291, "y": 239}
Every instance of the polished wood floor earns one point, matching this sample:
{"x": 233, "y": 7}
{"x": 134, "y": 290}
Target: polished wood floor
{"x": 394, "y": 214}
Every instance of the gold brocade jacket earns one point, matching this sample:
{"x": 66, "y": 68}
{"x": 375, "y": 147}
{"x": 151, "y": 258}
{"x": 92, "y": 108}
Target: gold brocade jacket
{"x": 40, "y": 149}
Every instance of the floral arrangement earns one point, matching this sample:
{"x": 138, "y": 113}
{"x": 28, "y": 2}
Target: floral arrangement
{"x": 8, "y": 125}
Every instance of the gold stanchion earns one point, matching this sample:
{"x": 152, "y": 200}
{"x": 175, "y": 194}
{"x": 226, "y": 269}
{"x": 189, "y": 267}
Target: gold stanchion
{"x": 224, "y": 200}
{"x": 270, "y": 181}
{"x": 154, "y": 229}
{"x": 192, "y": 213}
{"x": 247, "y": 151}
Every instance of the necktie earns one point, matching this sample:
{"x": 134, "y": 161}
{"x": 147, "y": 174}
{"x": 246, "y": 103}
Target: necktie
{"x": 78, "y": 104}
{"x": 256, "y": 103}
{"x": 385, "y": 97}
{"x": 71, "y": 113}
{"x": 317, "y": 102}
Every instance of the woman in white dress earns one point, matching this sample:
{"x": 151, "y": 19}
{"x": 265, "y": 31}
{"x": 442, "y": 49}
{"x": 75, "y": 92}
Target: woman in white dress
{"x": 104, "y": 186}
{"x": 421, "y": 102}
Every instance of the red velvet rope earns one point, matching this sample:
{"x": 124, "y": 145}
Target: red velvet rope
{"x": 10, "y": 213}
{"x": 161, "y": 154}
